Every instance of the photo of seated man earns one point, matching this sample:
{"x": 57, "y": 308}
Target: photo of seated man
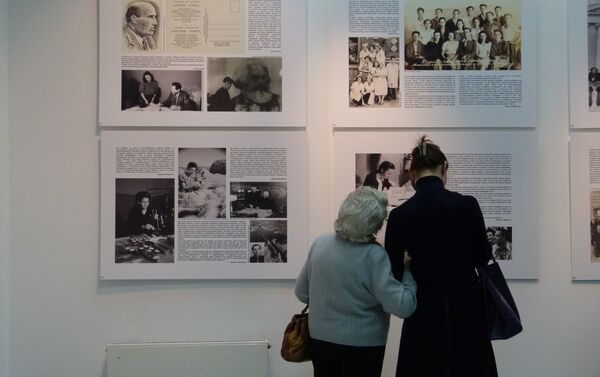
{"x": 202, "y": 178}
{"x": 459, "y": 44}
{"x": 179, "y": 100}
{"x": 258, "y": 199}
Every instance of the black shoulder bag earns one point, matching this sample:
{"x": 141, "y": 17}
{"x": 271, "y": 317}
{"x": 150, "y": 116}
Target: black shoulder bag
{"x": 503, "y": 320}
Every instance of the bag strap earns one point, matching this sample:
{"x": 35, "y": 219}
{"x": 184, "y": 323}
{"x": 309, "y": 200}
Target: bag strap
{"x": 304, "y": 310}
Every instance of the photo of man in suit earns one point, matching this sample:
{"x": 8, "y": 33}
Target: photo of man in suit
{"x": 380, "y": 179}
{"x": 179, "y": 100}
{"x": 414, "y": 51}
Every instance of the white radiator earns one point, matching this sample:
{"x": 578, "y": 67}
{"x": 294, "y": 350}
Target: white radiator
{"x": 188, "y": 359}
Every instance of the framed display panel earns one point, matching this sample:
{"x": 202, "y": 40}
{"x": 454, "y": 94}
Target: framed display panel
{"x": 585, "y": 206}
{"x": 498, "y": 169}
{"x": 584, "y": 62}
{"x": 203, "y": 205}
{"x": 388, "y": 74}
{"x": 202, "y": 63}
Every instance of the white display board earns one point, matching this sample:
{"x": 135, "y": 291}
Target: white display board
{"x": 186, "y": 49}
{"x": 585, "y": 206}
{"x": 584, "y": 55}
{"x": 432, "y": 90}
{"x": 203, "y": 205}
{"x": 498, "y": 169}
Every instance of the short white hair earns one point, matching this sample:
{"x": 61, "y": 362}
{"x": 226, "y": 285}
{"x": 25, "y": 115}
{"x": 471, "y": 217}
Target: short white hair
{"x": 361, "y": 215}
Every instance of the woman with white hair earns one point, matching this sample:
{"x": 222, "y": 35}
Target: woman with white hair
{"x": 349, "y": 282}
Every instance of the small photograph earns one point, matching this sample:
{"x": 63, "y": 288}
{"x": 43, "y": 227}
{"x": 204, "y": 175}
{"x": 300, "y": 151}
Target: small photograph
{"x": 202, "y": 181}
{"x": 462, "y": 35}
{"x": 257, "y": 252}
{"x": 271, "y": 235}
{"x": 161, "y": 90}
{"x": 594, "y": 55}
{"x": 141, "y": 27}
{"x": 595, "y": 226}
{"x": 374, "y": 72}
{"x": 501, "y": 240}
{"x": 244, "y": 84}
{"x": 144, "y": 220}
{"x": 259, "y": 199}
{"x": 387, "y": 172}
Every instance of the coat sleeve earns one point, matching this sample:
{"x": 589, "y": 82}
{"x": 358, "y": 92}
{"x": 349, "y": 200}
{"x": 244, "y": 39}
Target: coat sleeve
{"x": 482, "y": 250}
{"x": 394, "y": 244}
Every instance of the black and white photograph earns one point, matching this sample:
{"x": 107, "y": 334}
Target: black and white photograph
{"x": 595, "y": 226}
{"x": 593, "y": 48}
{"x": 245, "y": 84}
{"x": 257, "y": 252}
{"x": 462, "y": 35}
{"x": 141, "y": 27}
{"x": 387, "y": 172}
{"x": 374, "y": 72}
{"x": 500, "y": 238}
{"x": 258, "y": 199}
{"x": 144, "y": 220}
{"x": 202, "y": 183}
{"x": 271, "y": 236}
{"x": 161, "y": 90}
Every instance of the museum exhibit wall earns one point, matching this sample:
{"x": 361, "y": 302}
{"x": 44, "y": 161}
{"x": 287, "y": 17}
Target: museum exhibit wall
{"x": 62, "y": 316}
{"x": 4, "y": 193}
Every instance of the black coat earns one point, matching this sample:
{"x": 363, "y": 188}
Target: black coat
{"x": 444, "y": 232}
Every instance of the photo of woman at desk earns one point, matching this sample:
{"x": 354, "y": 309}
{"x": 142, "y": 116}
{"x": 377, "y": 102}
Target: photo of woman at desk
{"x": 259, "y": 199}
{"x": 144, "y": 220}
{"x": 386, "y": 172}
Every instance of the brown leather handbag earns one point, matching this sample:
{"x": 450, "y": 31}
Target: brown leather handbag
{"x": 294, "y": 347}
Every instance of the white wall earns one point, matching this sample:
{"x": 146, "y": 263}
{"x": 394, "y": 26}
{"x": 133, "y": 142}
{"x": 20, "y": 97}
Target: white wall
{"x": 4, "y": 193}
{"x": 61, "y": 317}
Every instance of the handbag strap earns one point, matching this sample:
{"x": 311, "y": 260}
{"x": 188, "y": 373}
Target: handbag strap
{"x": 304, "y": 310}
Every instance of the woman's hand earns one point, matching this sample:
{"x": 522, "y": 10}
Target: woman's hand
{"x": 407, "y": 258}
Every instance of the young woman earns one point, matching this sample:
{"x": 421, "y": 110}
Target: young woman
{"x": 483, "y": 51}
{"x": 149, "y": 90}
{"x": 476, "y": 29}
{"x": 356, "y": 91}
{"x": 459, "y": 33}
{"x": 445, "y": 235}
{"x": 380, "y": 80}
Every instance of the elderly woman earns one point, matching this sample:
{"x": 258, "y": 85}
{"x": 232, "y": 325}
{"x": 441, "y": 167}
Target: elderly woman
{"x": 348, "y": 280}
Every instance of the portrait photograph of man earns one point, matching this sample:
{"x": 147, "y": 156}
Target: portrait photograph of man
{"x": 245, "y": 84}
{"x": 141, "y": 26}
